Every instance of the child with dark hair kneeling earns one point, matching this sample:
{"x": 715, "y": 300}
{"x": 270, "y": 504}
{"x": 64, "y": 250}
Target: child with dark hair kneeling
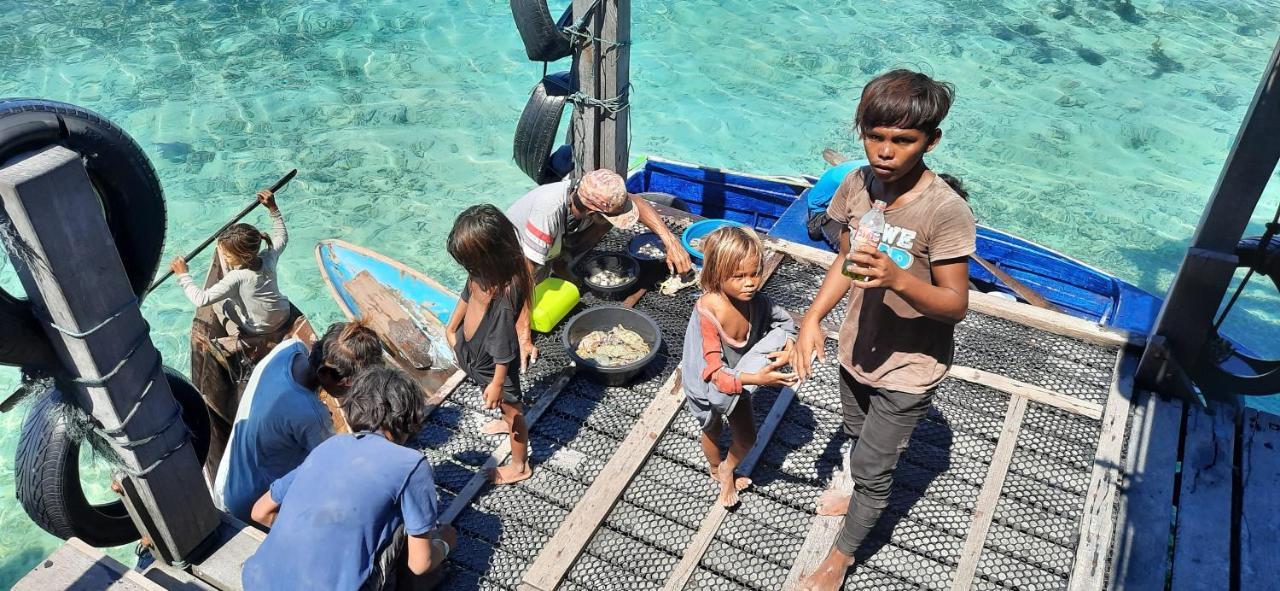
{"x": 907, "y": 289}
{"x": 482, "y": 329}
{"x": 360, "y": 512}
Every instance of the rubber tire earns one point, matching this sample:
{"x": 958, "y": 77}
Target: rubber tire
{"x": 120, "y": 172}
{"x": 1266, "y": 260}
{"x": 538, "y": 126}
{"x": 47, "y": 469}
{"x": 543, "y": 39}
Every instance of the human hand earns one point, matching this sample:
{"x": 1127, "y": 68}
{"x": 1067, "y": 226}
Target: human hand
{"x": 448, "y": 534}
{"x": 876, "y": 266}
{"x": 268, "y": 198}
{"x": 528, "y": 352}
{"x": 809, "y": 344}
{"x": 451, "y": 337}
{"x": 492, "y": 395}
{"x": 771, "y": 375}
{"x": 678, "y": 261}
{"x": 178, "y": 266}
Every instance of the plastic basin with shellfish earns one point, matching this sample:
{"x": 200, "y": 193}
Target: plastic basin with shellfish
{"x": 605, "y": 318}
{"x": 622, "y": 267}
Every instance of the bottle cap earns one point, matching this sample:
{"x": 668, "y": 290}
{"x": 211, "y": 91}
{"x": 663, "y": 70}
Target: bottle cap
{"x": 879, "y": 204}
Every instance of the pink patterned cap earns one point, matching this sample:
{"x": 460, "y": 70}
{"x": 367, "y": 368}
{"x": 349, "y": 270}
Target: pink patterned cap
{"x": 605, "y": 192}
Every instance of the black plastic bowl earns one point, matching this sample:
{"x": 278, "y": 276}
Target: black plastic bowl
{"x": 605, "y": 318}
{"x": 616, "y": 292}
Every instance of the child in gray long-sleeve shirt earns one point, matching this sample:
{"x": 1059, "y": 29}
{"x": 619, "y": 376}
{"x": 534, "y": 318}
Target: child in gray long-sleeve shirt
{"x": 736, "y": 340}
{"x": 250, "y": 290}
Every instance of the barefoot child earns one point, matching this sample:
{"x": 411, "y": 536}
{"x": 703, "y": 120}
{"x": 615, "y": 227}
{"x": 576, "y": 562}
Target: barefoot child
{"x": 905, "y": 295}
{"x": 482, "y": 329}
{"x": 736, "y": 340}
{"x": 252, "y": 302}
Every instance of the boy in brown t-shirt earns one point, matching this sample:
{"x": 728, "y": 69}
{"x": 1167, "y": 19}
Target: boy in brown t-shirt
{"x": 897, "y": 338}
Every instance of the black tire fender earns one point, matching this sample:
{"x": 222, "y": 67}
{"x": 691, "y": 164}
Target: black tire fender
{"x": 537, "y": 129}
{"x": 47, "y": 468}
{"x": 124, "y": 180}
{"x": 544, "y": 38}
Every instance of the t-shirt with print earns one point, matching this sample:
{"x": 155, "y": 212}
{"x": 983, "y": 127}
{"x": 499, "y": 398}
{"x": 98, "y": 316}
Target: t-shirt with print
{"x": 540, "y": 217}
{"x": 338, "y": 510}
{"x": 884, "y": 342}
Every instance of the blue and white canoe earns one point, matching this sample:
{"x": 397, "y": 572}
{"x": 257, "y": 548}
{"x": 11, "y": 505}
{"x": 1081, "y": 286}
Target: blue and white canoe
{"x": 772, "y": 205}
{"x": 406, "y": 308}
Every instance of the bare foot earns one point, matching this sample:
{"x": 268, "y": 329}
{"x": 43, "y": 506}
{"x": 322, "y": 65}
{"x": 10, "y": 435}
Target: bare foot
{"x": 740, "y": 482}
{"x": 715, "y": 473}
{"x": 833, "y": 503}
{"x": 495, "y": 427}
{"x": 829, "y": 575}
{"x": 729, "y": 487}
{"x": 509, "y": 474}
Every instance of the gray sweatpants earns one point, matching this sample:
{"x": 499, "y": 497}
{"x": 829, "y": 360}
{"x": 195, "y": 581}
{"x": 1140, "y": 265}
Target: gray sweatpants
{"x": 881, "y": 421}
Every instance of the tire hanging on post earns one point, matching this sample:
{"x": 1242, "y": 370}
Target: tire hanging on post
{"x": 544, "y": 38}
{"x": 47, "y": 467}
{"x": 124, "y": 180}
{"x": 537, "y": 130}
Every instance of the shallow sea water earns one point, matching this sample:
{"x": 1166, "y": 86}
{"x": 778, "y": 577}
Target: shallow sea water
{"x": 1095, "y": 127}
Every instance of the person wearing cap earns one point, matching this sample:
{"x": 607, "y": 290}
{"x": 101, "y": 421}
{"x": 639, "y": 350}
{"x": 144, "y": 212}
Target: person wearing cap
{"x": 558, "y": 221}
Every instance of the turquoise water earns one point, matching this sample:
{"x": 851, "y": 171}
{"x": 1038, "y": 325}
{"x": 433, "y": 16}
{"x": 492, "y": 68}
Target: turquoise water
{"x": 1092, "y": 128}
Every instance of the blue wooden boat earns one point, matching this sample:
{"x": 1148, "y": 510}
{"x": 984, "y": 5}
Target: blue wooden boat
{"x": 771, "y": 204}
{"x": 408, "y": 309}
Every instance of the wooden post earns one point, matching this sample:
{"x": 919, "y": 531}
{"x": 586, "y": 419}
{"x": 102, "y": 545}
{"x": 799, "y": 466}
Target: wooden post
{"x": 1186, "y": 319}
{"x": 76, "y": 277}
{"x": 602, "y": 67}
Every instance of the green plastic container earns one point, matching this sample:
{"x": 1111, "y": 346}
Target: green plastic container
{"x": 552, "y": 301}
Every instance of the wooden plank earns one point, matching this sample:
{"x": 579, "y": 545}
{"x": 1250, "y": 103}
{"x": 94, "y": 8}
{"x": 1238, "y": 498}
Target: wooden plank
{"x": 500, "y": 454}
{"x": 1052, "y": 322}
{"x": 1097, "y": 522}
{"x": 559, "y": 554}
{"x": 584, "y": 122}
{"x": 615, "y": 83}
{"x": 384, "y": 311}
{"x": 1031, "y": 392}
{"x": 76, "y": 275}
{"x": 706, "y": 534}
{"x": 1202, "y": 538}
{"x": 823, "y": 530}
{"x": 234, "y": 542}
{"x": 1144, "y": 518}
{"x": 77, "y": 566}
{"x": 989, "y": 496}
{"x": 1259, "y": 501}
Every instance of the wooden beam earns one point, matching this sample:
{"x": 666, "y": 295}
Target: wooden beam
{"x": 560, "y": 553}
{"x": 989, "y": 496}
{"x": 1053, "y": 322}
{"x": 75, "y": 274}
{"x": 1259, "y": 501}
{"x": 706, "y": 534}
{"x": 503, "y": 451}
{"x": 1097, "y": 522}
{"x": 585, "y": 124}
{"x": 1031, "y": 392}
{"x": 1202, "y": 538}
{"x": 1186, "y": 318}
{"x": 232, "y": 545}
{"x": 823, "y": 530}
{"x": 615, "y": 83}
{"x": 1144, "y": 518}
{"x": 77, "y": 565}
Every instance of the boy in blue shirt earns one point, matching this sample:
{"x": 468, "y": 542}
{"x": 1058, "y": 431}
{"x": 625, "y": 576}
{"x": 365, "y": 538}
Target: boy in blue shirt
{"x": 343, "y": 518}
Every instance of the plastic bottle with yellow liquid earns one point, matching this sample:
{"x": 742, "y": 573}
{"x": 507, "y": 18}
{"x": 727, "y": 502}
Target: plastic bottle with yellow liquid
{"x": 868, "y": 231}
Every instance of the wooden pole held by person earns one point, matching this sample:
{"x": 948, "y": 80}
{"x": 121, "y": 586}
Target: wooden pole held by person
{"x": 75, "y": 278}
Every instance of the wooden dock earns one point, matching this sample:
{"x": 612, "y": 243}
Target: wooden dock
{"x": 1039, "y": 467}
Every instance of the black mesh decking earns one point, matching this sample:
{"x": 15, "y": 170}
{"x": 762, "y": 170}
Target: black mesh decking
{"x": 919, "y": 540}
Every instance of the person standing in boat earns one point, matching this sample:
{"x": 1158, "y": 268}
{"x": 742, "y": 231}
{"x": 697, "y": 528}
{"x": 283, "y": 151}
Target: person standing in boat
{"x": 361, "y": 510}
{"x": 482, "y": 328}
{"x": 252, "y": 304}
{"x": 281, "y": 419}
{"x": 561, "y": 220}
{"x": 905, "y": 296}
